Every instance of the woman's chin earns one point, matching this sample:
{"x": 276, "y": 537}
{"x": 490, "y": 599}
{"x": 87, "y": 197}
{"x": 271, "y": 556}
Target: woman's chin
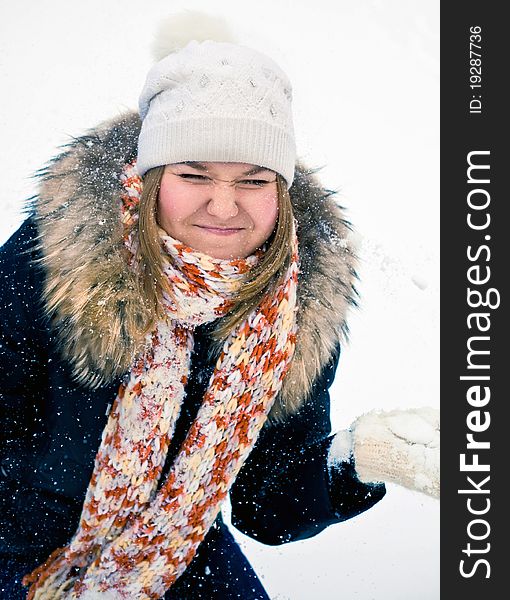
{"x": 219, "y": 247}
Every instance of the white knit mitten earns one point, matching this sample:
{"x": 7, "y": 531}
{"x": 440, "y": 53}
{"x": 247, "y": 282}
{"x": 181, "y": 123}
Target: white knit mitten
{"x": 398, "y": 446}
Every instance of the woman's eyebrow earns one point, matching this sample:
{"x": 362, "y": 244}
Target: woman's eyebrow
{"x": 201, "y": 167}
{"x": 256, "y": 170}
{"x": 194, "y": 165}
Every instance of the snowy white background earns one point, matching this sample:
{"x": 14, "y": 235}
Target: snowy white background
{"x": 366, "y": 89}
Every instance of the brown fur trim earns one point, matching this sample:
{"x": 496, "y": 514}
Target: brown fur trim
{"x": 90, "y": 292}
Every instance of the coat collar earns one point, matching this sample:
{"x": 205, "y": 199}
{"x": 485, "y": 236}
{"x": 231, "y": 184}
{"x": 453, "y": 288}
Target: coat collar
{"x": 89, "y": 291}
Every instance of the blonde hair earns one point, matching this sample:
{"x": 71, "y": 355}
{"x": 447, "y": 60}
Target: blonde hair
{"x": 259, "y": 281}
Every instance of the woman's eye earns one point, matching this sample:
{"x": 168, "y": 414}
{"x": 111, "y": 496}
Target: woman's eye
{"x": 193, "y": 177}
{"x": 257, "y": 182}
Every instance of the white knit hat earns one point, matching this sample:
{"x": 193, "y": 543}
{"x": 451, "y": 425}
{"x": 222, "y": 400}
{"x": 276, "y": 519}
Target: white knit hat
{"x": 217, "y": 101}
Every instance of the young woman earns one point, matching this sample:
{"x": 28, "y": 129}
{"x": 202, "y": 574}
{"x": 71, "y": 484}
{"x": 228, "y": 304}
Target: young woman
{"x": 173, "y": 312}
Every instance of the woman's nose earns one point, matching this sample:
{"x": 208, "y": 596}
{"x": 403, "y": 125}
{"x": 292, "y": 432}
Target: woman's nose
{"x": 223, "y": 202}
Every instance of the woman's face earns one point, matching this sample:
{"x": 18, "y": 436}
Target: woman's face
{"x": 225, "y": 210}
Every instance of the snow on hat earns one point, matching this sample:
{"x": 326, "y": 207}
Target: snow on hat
{"x": 211, "y": 100}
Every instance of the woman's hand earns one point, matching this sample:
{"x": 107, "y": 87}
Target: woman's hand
{"x": 398, "y": 446}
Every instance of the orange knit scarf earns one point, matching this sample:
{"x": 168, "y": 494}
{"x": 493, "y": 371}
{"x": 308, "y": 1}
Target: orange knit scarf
{"x": 134, "y": 540}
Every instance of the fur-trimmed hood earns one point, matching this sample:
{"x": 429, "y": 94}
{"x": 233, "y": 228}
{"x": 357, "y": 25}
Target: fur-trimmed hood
{"x": 89, "y": 290}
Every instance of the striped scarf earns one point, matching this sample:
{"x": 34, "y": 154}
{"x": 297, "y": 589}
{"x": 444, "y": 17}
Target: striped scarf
{"x": 137, "y": 535}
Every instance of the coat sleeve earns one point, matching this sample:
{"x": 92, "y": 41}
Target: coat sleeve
{"x": 22, "y": 347}
{"x": 285, "y": 490}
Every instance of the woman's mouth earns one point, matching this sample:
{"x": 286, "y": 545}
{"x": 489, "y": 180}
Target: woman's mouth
{"x": 220, "y": 230}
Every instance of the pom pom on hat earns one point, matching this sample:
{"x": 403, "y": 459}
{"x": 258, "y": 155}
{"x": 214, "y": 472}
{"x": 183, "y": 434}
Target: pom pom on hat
{"x": 177, "y": 30}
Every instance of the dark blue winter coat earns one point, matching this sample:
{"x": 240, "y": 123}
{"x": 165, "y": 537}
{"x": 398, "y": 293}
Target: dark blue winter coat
{"x": 52, "y": 417}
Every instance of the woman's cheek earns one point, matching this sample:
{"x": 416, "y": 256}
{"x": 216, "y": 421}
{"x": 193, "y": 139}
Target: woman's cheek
{"x": 172, "y": 208}
{"x": 268, "y": 215}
